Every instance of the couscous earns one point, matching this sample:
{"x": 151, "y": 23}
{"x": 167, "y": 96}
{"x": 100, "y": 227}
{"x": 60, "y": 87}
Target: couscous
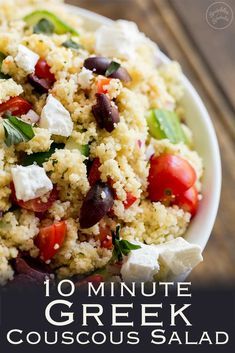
{"x": 98, "y": 175}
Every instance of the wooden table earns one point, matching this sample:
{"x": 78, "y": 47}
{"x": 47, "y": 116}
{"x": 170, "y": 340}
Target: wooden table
{"x": 207, "y": 56}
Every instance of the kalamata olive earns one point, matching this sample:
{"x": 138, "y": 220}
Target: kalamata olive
{"x": 22, "y": 280}
{"x": 122, "y": 74}
{"x": 105, "y": 113}
{"x": 41, "y": 85}
{"x": 98, "y": 202}
{"x": 99, "y": 65}
{"x": 28, "y": 268}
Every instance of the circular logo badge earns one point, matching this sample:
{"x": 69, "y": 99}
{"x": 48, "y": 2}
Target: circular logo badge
{"x": 219, "y": 15}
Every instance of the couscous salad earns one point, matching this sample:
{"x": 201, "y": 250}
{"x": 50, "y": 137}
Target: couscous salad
{"x": 99, "y": 179}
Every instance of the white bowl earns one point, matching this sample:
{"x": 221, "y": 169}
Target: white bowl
{"x": 205, "y": 143}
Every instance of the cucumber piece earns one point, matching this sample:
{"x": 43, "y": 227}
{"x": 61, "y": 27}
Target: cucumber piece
{"x": 164, "y": 124}
{"x": 2, "y": 75}
{"x": 60, "y": 26}
{"x": 2, "y": 57}
{"x": 85, "y": 150}
{"x": 72, "y": 145}
{"x": 154, "y": 126}
{"x": 40, "y": 157}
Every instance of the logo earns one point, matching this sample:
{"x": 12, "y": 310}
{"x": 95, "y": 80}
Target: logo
{"x": 219, "y": 15}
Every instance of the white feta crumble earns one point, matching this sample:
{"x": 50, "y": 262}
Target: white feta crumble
{"x": 85, "y": 77}
{"x": 115, "y": 40}
{"x": 141, "y": 265}
{"x": 177, "y": 256}
{"x": 31, "y": 117}
{"x": 56, "y": 118}
{"x": 26, "y": 59}
{"x": 30, "y": 182}
{"x": 118, "y": 40}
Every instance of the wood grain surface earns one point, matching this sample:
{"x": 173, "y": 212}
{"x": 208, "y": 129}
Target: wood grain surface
{"x": 207, "y": 57}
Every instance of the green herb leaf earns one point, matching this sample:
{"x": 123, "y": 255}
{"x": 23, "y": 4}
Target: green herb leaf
{"x": 44, "y": 26}
{"x": 3, "y": 76}
{"x": 72, "y": 45}
{"x": 2, "y": 57}
{"x": 121, "y": 247}
{"x": 40, "y": 157}
{"x": 16, "y": 131}
{"x": 113, "y": 67}
{"x": 165, "y": 124}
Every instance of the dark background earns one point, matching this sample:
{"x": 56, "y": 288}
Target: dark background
{"x": 211, "y": 310}
{"x": 207, "y": 56}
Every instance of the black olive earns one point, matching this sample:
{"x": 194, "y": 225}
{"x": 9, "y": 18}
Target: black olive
{"x": 98, "y": 202}
{"x": 122, "y": 74}
{"x": 99, "y": 65}
{"x": 105, "y": 113}
{"x": 29, "y": 271}
{"x": 21, "y": 281}
{"x": 40, "y": 85}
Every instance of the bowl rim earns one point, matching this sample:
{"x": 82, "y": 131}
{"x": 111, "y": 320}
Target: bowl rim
{"x": 211, "y": 213}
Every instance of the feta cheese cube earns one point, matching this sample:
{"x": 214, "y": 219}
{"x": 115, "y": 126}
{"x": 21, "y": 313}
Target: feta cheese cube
{"x": 56, "y": 118}
{"x": 179, "y": 256}
{"x": 85, "y": 77}
{"x": 141, "y": 265}
{"x": 175, "y": 258}
{"x": 30, "y": 182}
{"x": 31, "y": 117}
{"x": 118, "y": 40}
{"x": 26, "y": 59}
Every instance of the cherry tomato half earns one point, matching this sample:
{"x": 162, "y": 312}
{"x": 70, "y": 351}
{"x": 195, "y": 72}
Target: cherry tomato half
{"x": 35, "y": 205}
{"x": 188, "y": 201}
{"x": 105, "y": 236}
{"x": 130, "y": 199}
{"x": 169, "y": 176}
{"x": 101, "y": 85}
{"x": 50, "y": 239}
{"x": 16, "y": 106}
{"x": 95, "y": 279}
{"x": 94, "y": 173}
{"x": 42, "y": 70}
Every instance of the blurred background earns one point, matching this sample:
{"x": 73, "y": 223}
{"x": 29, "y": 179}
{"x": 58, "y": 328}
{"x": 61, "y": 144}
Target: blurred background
{"x": 200, "y": 35}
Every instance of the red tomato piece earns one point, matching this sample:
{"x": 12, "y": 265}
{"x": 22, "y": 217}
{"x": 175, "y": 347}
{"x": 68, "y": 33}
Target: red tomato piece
{"x": 95, "y": 278}
{"x": 94, "y": 174}
{"x": 169, "y": 176}
{"x": 50, "y": 239}
{"x": 105, "y": 236}
{"x": 130, "y": 199}
{"x": 16, "y": 106}
{"x": 188, "y": 201}
{"x": 101, "y": 85}
{"x": 35, "y": 205}
{"x": 42, "y": 70}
